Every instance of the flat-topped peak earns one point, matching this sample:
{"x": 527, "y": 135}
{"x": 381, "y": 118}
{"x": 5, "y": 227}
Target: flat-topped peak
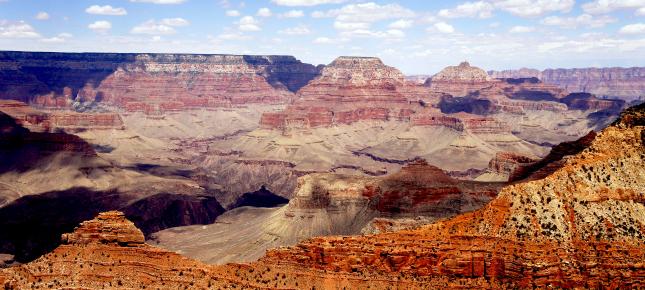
{"x": 110, "y": 227}
{"x": 353, "y": 61}
{"x": 463, "y": 72}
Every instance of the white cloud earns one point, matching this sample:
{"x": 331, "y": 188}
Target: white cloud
{"x": 351, "y": 25}
{"x": 233, "y": 36}
{"x": 480, "y": 9}
{"x": 264, "y": 12}
{"x": 443, "y": 27}
{"x": 175, "y": 22}
{"x": 306, "y": 2}
{"x": 164, "y": 27}
{"x": 367, "y": 12}
{"x": 606, "y": 6}
{"x": 100, "y": 26}
{"x": 298, "y": 30}
{"x": 233, "y": 13}
{"x": 533, "y": 8}
{"x": 248, "y": 23}
{"x": 636, "y": 28}
{"x": 323, "y": 40}
{"x": 106, "y": 10}
{"x": 574, "y": 22}
{"x": 57, "y": 39}
{"x": 592, "y": 45}
{"x": 355, "y": 20}
{"x": 401, "y": 24}
{"x": 521, "y": 29}
{"x": 17, "y": 30}
{"x": 293, "y": 14}
{"x": 42, "y": 15}
{"x": 160, "y": 1}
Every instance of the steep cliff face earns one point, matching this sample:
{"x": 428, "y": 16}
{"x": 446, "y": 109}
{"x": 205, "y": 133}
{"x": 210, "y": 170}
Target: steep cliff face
{"x": 151, "y": 83}
{"x": 624, "y": 83}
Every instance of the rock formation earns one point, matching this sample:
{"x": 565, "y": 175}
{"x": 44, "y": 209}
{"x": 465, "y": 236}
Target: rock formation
{"x": 506, "y": 165}
{"x": 332, "y": 204}
{"x": 624, "y": 83}
{"x": 348, "y": 90}
{"x": 143, "y": 82}
{"x": 41, "y": 121}
{"x": 107, "y": 228}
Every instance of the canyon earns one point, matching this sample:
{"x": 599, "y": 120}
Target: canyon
{"x": 580, "y": 226}
{"x": 262, "y": 161}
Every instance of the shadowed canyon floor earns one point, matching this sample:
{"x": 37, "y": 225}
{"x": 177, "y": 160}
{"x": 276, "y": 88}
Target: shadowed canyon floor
{"x": 580, "y": 226}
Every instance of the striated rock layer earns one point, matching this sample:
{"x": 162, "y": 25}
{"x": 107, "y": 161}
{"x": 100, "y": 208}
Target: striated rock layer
{"x": 42, "y": 121}
{"x": 625, "y": 83}
{"x": 150, "y": 83}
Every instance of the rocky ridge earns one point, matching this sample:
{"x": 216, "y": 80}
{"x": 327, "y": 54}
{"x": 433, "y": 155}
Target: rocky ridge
{"x": 625, "y": 83}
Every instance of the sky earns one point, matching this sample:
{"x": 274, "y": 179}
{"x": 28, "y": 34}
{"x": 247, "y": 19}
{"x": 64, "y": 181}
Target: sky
{"x": 418, "y": 37}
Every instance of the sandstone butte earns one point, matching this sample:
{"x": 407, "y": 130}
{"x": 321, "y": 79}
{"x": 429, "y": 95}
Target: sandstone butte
{"x": 579, "y": 227}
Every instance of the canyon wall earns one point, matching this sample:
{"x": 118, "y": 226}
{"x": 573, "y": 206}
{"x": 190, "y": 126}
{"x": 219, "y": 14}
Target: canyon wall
{"x": 624, "y": 83}
{"x": 151, "y": 83}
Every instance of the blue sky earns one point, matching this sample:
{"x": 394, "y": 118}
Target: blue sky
{"x": 418, "y": 37}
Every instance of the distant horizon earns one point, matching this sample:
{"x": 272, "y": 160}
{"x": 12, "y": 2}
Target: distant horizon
{"x": 417, "y": 37}
{"x": 325, "y": 64}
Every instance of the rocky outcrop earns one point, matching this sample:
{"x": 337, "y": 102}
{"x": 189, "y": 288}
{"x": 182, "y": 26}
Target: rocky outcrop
{"x": 107, "y": 228}
{"x": 507, "y": 165}
{"x": 417, "y": 189}
{"x": 41, "y": 121}
{"x": 108, "y": 252}
{"x": 586, "y": 101}
{"x": 461, "y": 73}
{"x": 150, "y": 83}
{"x": 624, "y": 83}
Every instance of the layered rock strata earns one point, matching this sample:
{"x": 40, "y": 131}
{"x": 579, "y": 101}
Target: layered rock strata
{"x": 625, "y": 83}
{"x": 41, "y": 121}
{"x": 150, "y": 83}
